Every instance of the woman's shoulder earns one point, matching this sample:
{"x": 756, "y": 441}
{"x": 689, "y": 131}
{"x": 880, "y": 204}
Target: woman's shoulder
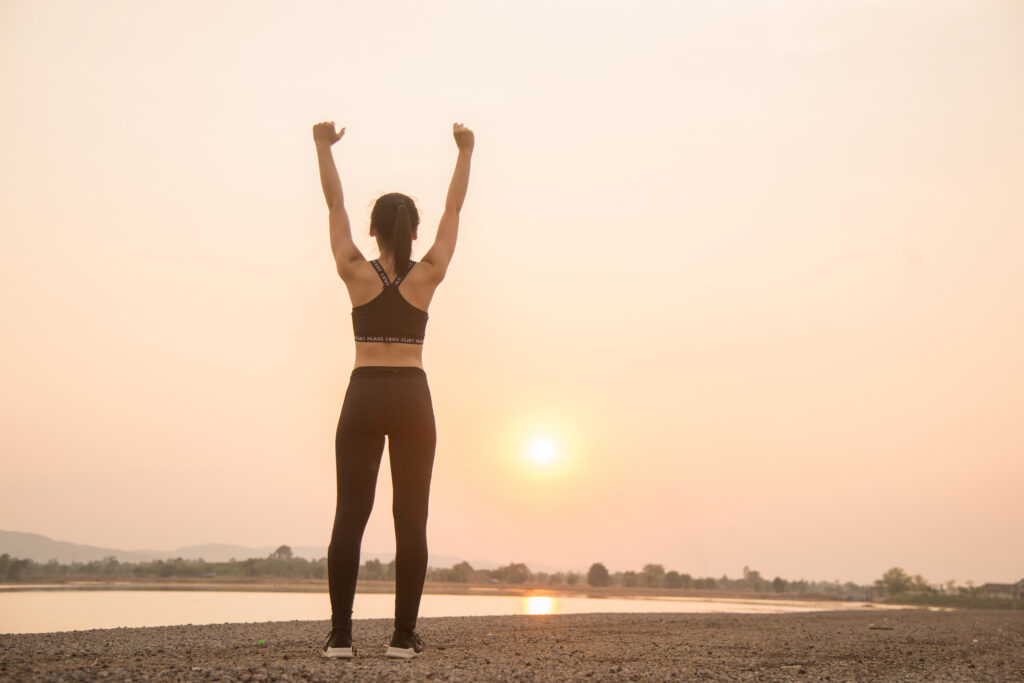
{"x": 363, "y": 282}
{"x": 417, "y": 287}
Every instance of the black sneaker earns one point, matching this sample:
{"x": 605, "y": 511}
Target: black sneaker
{"x": 339, "y": 644}
{"x": 404, "y": 645}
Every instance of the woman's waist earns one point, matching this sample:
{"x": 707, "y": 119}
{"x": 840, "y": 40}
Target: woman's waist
{"x": 388, "y": 354}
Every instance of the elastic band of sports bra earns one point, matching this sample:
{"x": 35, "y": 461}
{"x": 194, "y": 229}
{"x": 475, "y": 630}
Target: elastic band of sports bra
{"x": 390, "y": 340}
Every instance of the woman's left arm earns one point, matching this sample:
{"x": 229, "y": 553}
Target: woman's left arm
{"x": 436, "y": 260}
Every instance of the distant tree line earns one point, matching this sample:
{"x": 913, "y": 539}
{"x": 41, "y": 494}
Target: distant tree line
{"x": 515, "y": 573}
{"x": 896, "y": 585}
{"x": 280, "y": 563}
{"x": 899, "y": 587}
{"x": 655, "y": 576}
{"x": 651, "y": 576}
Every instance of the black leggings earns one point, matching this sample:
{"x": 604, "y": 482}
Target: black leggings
{"x": 392, "y": 401}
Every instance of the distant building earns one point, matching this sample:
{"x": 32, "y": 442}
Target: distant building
{"x": 1010, "y": 591}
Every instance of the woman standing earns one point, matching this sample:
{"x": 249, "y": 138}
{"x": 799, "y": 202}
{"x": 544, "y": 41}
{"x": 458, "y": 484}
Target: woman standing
{"x": 387, "y": 393}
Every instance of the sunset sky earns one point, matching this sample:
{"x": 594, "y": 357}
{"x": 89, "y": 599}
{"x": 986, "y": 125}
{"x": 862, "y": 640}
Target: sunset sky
{"x": 753, "y": 271}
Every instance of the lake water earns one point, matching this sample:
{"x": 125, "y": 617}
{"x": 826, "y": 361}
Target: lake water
{"x": 42, "y": 611}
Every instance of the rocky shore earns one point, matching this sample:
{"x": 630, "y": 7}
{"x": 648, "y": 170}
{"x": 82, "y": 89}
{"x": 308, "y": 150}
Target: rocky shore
{"x": 914, "y": 645}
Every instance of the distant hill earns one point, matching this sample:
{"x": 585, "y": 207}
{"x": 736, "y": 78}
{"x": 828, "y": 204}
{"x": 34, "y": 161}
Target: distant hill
{"x": 224, "y": 552}
{"x": 42, "y": 549}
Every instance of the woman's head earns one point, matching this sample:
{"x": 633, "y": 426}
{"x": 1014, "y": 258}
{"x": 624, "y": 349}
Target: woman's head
{"x": 393, "y": 222}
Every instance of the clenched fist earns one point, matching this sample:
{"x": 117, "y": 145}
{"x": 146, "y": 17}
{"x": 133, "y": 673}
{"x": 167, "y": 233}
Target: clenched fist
{"x": 463, "y": 137}
{"x": 323, "y": 133}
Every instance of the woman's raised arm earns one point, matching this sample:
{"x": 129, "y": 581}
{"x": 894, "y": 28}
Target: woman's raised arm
{"x": 346, "y": 254}
{"x": 440, "y": 254}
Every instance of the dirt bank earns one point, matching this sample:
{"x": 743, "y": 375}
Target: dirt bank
{"x": 838, "y": 646}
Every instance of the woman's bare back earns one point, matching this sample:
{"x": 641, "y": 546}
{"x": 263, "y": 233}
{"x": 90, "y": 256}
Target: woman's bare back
{"x": 417, "y": 287}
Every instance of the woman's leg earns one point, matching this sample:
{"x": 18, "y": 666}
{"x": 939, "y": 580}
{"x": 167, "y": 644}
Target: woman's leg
{"x": 358, "y": 445}
{"x": 411, "y": 446}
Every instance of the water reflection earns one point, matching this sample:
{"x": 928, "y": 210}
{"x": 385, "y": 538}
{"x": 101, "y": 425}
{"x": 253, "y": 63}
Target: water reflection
{"x": 539, "y": 604}
{"x": 40, "y": 611}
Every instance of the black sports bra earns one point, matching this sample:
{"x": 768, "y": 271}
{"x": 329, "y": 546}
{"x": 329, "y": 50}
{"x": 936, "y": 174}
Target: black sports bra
{"x": 389, "y": 317}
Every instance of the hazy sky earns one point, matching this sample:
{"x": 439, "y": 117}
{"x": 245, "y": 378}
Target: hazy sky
{"x": 756, "y": 270}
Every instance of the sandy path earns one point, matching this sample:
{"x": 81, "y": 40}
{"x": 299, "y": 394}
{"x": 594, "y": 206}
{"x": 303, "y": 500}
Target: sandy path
{"x": 910, "y": 645}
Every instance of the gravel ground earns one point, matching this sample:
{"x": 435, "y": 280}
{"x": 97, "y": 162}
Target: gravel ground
{"x": 911, "y": 645}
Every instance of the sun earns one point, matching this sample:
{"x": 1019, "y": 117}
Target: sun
{"x": 542, "y": 451}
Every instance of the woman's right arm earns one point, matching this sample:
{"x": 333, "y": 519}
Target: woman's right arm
{"x": 440, "y": 254}
{"x": 346, "y": 253}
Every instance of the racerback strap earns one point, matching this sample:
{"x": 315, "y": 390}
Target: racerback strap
{"x": 384, "y": 276}
{"x": 399, "y": 278}
{"x": 380, "y": 271}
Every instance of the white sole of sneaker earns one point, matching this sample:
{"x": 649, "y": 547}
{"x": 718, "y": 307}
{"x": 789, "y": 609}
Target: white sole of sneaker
{"x": 339, "y": 653}
{"x": 401, "y": 653}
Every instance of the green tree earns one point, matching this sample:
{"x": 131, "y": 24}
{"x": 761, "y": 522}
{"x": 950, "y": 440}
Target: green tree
{"x": 11, "y": 568}
{"x": 515, "y": 572}
{"x": 572, "y": 578}
{"x": 318, "y": 570}
{"x": 779, "y": 585}
{"x": 753, "y": 580}
{"x": 895, "y": 581}
{"x": 462, "y": 572}
{"x": 919, "y": 585}
{"x": 282, "y": 553}
{"x": 655, "y": 573}
{"x": 598, "y": 575}
{"x": 373, "y": 570}
{"x": 673, "y": 580}
{"x": 630, "y": 579}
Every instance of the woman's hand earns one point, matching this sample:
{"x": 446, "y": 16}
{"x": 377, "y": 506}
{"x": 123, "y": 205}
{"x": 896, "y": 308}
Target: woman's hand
{"x": 463, "y": 137}
{"x": 323, "y": 133}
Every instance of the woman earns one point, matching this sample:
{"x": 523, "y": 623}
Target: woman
{"x": 387, "y": 392}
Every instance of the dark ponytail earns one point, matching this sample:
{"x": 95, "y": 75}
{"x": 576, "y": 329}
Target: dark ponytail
{"x": 394, "y": 220}
{"x": 401, "y": 239}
